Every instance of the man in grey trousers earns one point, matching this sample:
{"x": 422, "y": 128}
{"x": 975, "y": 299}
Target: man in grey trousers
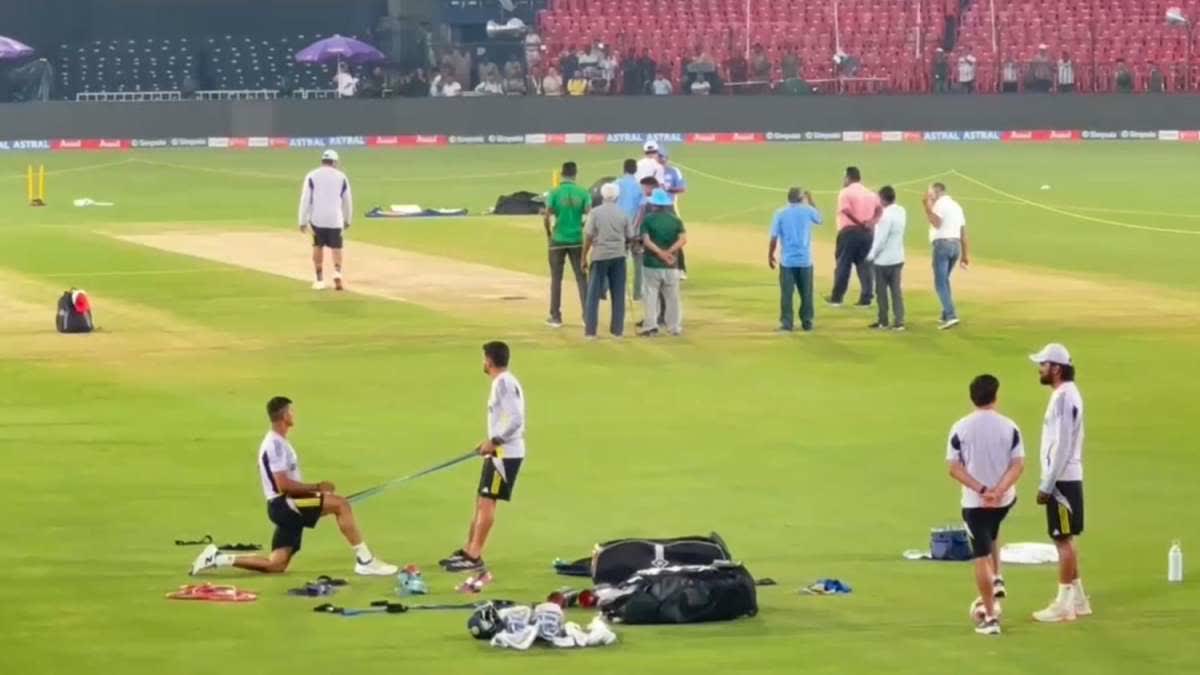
{"x": 887, "y": 257}
{"x": 606, "y": 237}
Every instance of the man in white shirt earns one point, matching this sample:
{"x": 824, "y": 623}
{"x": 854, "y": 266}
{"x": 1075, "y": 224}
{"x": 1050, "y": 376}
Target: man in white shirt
{"x": 292, "y": 506}
{"x": 345, "y": 83}
{"x": 326, "y": 206}
{"x": 887, "y": 258}
{"x": 1061, "y": 487}
{"x": 948, "y": 236}
{"x": 1066, "y": 74}
{"x": 966, "y": 74}
{"x": 502, "y": 452}
{"x": 649, "y": 164}
{"x": 661, "y": 86}
{"x": 986, "y": 455}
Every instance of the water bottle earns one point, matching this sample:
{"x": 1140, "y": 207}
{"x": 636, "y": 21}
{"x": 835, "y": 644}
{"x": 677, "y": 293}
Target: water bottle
{"x": 1175, "y": 563}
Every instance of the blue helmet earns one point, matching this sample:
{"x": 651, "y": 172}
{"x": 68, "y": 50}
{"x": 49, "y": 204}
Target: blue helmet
{"x": 484, "y": 622}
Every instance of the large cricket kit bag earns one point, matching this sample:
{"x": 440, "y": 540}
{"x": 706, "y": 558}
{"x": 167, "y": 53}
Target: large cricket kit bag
{"x": 615, "y": 561}
{"x": 519, "y": 204}
{"x": 682, "y": 594}
{"x": 74, "y": 314}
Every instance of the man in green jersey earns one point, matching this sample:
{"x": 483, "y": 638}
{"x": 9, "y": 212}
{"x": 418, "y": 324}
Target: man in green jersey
{"x": 567, "y": 204}
{"x": 663, "y": 236}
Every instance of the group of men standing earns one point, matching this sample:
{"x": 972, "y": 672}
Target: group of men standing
{"x": 870, "y": 241}
{"x": 638, "y": 216}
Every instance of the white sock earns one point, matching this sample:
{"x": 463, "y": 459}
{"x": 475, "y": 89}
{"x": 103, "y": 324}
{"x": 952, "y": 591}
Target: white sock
{"x": 362, "y": 554}
{"x": 1077, "y": 587}
{"x": 1064, "y": 595}
{"x": 224, "y": 560}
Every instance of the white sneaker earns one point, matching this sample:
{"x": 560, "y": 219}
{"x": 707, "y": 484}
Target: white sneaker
{"x": 1081, "y": 606}
{"x": 206, "y": 560}
{"x": 989, "y": 626}
{"x": 1055, "y": 613}
{"x": 318, "y": 285}
{"x": 375, "y": 568}
{"x": 947, "y": 324}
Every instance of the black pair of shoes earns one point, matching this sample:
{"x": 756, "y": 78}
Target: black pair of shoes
{"x": 459, "y": 561}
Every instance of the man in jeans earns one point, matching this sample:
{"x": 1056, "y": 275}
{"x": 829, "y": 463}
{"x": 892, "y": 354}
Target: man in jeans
{"x": 792, "y": 230}
{"x": 606, "y": 237}
{"x": 858, "y": 211}
{"x": 948, "y": 234}
{"x": 630, "y": 199}
{"x": 664, "y": 237}
{"x": 887, "y": 257}
{"x": 568, "y": 204}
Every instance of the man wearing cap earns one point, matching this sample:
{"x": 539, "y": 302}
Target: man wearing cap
{"x": 948, "y": 236}
{"x": 327, "y": 207}
{"x": 649, "y": 165}
{"x": 1061, "y": 487}
{"x": 663, "y": 236}
{"x": 606, "y": 238}
{"x": 567, "y": 204}
{"x": 858, "y": 211}
{"x": 792, "y": 229}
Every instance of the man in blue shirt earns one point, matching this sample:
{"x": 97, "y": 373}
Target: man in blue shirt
{"x": 791, "y": 231}
{"x": 675, "y": 185}
{"x": 630, "y": 200}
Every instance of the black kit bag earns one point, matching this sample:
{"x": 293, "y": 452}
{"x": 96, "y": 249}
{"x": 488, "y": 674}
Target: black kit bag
{"x": 74, "y": 314}
{"x": 683, "y": 594}
{"x": 615, "y": 561}
{"x": 519, "y": 204}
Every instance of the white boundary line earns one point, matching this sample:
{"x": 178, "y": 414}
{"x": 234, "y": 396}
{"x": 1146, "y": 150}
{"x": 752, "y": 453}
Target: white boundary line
{"x": 74, "y": 169}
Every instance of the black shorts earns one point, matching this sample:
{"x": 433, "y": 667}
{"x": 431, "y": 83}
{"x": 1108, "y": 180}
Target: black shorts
{"x": 290, "y": 524}
{"x": 328, "y": 237}
{"x": 1065, "y": 520}
{"x": 983, "y": 528}
{"x": 498, "y": 484}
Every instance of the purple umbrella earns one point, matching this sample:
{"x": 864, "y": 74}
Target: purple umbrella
{"x": 338, "y": 48}
{"x": 11, "y": 49}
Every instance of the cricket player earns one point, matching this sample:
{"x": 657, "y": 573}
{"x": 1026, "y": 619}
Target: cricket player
{"x": 986, "y": 454}
{"x": 1061, "y": 488}
{"x": 293, "y": 505}
{"x": 327, "y": 207}
{"x": 648, "y": 165}
{"x": 502, "y": 451}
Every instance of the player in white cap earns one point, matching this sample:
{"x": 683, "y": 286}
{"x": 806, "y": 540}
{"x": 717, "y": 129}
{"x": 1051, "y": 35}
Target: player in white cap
{"x": 327, "y": 207}
{"x": 1061, "y": 487}
{"x": 649, "y": 165}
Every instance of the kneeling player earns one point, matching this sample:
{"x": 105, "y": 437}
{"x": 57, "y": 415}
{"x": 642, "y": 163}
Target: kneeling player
{"x": 292, "y": 506}
{"x": 987, "y": 456}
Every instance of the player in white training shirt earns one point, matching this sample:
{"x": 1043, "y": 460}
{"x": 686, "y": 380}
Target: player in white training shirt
{"x": 1061, "y": 487}
{"x": 985, "y": 453}
{"x": 326, "y": 206}
{"x": 293, "y": 505}
{"x": 503, "y": 452}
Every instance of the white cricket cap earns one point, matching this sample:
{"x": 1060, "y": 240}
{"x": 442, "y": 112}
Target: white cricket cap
{"x": 329, "y": 156}
{"x": 1052, "y": 353}
{"x": 650, "y": 146}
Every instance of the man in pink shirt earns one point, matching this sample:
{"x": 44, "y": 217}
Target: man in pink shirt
{"x": 858, "y": 209}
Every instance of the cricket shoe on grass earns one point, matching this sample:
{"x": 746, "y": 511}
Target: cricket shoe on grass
{"x": 206, "y": 560}
{"x": 464, "y": 564}
{"x": 989, "y": 626}
{"x": 453, "y": 556}
{"x": 1055, "y": 613}
{"x": 318, "y": 285}
{"x": 948, "y": 324}
{"x": 1081, "y": 605}
{"x": 374, "y": 568}
{"x": 998, "y": 589}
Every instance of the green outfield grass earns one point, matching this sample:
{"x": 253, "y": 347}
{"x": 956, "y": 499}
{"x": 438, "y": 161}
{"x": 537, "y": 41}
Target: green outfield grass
{"x": 814, "y": 456}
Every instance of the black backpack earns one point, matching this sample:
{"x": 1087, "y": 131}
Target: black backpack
{"x": 68, "y": 320}
{"x": 683, "y": 594}
{"x": 519, "y": 204}
{"x": 615, "y": 561}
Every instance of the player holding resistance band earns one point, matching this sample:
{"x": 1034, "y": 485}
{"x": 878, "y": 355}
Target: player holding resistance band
{"x": 293, "y": 505}
{"x": 503, "y": 452}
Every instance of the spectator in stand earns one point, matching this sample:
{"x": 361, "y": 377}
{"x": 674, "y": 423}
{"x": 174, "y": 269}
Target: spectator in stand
{"x": 1041, "y": 71}
{"x": 631, "y": 75}
{"x": 1123, "y": 78}
{"x": 345, "y": 83}
{"x": 760, "y": 69}
{"x": 590, "y": 58}
{"x": 533, "y": 49}
{"x": 415, "y": 84}
{"x": 649, "y": 69}
{"x": 462, "y": 68}
{"x": 1010, "y": 79}
{"x": 608, "y": 70}
{"x": 445, "y": 84}
{"x": 552, "y": 84}
{"x": 738, "y": 69}
{"x": 578, "y": 84}
{"x": 492, "y": 85}
{"x": 514, "y": 79}
{"x": 1066, "y": 74}
{"x": 597, "y": 85}
{"x": 661, "y": 85}
{"x": 791, "y": 64}
{"x": 700, "y": 87}
{"x": 966, "y": 74}
{"x": 568, "y": 62}
{"x": 1158, "y": 81}
{"x": 941, "y": 72}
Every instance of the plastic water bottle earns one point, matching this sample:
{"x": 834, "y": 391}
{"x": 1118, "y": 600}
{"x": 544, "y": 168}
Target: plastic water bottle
{"x": 1175, "y": 563}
